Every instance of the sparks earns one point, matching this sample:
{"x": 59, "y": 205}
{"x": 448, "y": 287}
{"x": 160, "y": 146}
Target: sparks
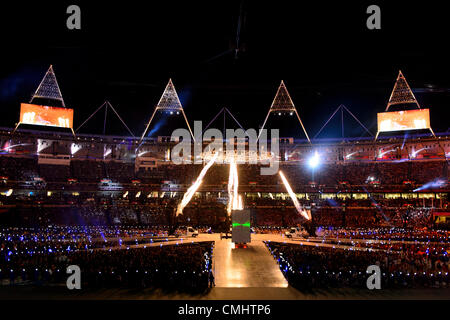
{"x": 235, "y": 200}
{"x": 192, "y": 189}
{"x": 297, "y": 205}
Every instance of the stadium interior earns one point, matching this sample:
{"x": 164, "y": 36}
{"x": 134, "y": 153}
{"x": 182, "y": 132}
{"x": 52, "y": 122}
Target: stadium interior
{"x": 76, "y": 198}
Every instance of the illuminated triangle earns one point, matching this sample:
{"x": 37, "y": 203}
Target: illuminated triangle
{"x": 282, "y": 100}
{"x": 49, "y": 88}
{"x": 282, "y": 103}
{"x": 402, "y": 93}
{"x": 169, "y": 99}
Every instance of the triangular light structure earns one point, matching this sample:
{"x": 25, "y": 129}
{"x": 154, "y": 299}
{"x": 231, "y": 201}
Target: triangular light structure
{"x": 283, "y": 103}
{"x": 169, "y": 101}
{"x": 402, "y": 93}
{"x": 49, "y": 88}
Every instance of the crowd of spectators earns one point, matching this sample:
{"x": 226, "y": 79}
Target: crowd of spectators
{"x": 40, "y": 257}
{"x": 329, "y": 174}
{"x": 308, "y": 267}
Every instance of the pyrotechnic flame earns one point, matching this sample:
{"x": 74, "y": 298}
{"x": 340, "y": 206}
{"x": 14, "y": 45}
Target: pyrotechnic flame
{"x": 234, "y": 199}
{"x": 297, "y": 205}
{"x": 192, "y": 189}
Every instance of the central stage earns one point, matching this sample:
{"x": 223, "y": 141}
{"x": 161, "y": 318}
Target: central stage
{"x": 245, "y": 268}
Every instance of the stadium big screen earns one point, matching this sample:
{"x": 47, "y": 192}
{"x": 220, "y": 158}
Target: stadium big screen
{"x": 404, "y": 120}
{"x": 46, "y": 116}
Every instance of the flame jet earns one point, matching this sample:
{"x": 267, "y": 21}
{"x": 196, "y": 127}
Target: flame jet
{"x": 297, "y": 205}
{"x": 192, "y": 189}
{"x": 234, "y": 199}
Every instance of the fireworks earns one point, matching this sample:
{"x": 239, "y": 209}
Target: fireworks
{"x": 234, "y": 199}
{"x": 297, "y": 205}
{"x": 192, "y": 189}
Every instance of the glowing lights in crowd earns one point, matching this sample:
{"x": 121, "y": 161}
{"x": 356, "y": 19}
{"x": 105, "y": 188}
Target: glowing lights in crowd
{"x": 192, "y": 189}
{"x": 138, "y": 194}
{"x": 125, "y": 194}
{"x": 297, "y": 205}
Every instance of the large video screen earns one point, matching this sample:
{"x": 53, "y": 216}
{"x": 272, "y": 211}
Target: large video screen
{"x": 404, "y": 120}
{"x": 46, "y": 116}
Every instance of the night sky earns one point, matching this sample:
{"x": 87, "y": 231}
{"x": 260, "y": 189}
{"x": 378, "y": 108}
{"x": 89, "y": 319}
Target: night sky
{"x": 127, "y": 51}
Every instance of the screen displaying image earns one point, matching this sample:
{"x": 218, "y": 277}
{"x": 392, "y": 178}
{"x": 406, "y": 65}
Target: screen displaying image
{"x": 404, "y": 120}
{"x": 46, "y": 116}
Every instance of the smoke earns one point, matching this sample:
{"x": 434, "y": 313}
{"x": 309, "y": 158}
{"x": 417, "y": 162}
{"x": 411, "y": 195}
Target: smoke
{"x": 157, "y": 126}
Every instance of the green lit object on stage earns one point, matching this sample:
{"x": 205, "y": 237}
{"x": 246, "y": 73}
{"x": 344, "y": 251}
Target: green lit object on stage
{"x": 237, "y": 224}
{"x": 240, "y": 222}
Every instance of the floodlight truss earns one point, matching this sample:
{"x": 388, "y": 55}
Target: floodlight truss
{"x": 343, "y": 108}
{"x": 402, "y": 94}
{"x": 283, "y": 103}
{"x": 169, "y": 101}
{"x": 49, "y": 88}
{"x": 106, "y": 105}
{"x": 223, "y": 111}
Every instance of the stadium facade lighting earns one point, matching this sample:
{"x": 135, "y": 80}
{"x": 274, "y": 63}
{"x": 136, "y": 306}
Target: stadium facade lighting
{"x": 140, "y": 154}
{"x": 414, "y": 153}
{"x": 107, "y": 152}
{"x": 74, "y": 148}
{"x": 351, "y": 154}
{"x": 314, "y": 161}
{"x": 381, "y": 154}
{"x": 40, "y": 146}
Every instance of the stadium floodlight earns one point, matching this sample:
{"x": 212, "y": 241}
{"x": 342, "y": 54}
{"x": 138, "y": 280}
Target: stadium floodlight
{"x": 314, "y": 161}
